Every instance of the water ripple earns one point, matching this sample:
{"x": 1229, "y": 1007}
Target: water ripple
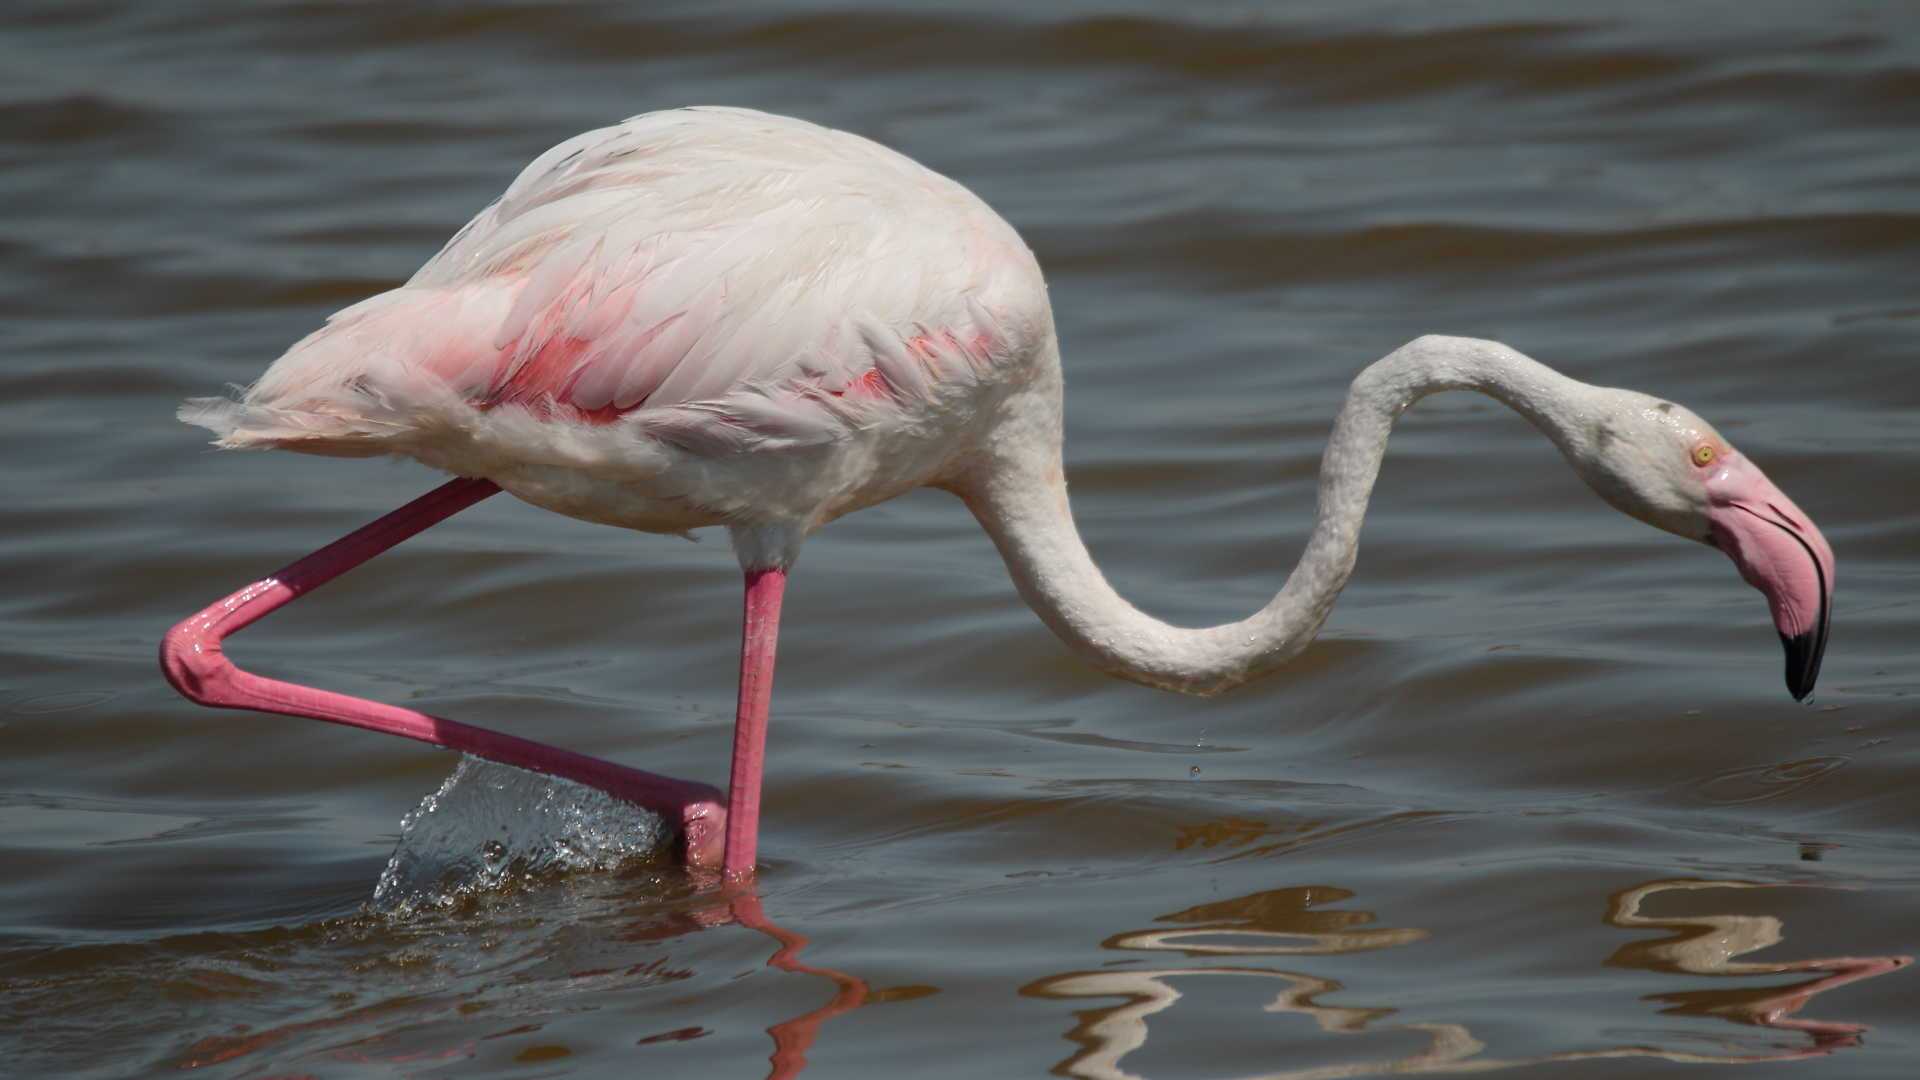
{"x": 1764, "y": 783}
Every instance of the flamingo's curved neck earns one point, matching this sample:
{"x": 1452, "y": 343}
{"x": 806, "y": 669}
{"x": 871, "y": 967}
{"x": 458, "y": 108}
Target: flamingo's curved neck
{"x": 1020, "y": 497}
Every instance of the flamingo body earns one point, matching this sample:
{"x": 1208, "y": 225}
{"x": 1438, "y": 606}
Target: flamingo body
{"x": 692, "y": 318}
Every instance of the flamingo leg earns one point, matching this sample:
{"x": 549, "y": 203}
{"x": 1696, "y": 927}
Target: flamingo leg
{"x": 760, "y": 631}
{"x": 194, "y": 661}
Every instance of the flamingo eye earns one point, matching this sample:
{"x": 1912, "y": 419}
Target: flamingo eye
{"x": 1703, "y": 454}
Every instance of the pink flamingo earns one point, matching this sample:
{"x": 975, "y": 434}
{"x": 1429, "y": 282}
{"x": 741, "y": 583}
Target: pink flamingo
{"x": 721, "y": 317}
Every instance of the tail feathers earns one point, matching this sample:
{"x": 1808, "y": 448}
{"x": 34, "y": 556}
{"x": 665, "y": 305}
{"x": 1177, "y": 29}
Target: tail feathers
{"x": 358, "y": 417}
{"x": 421, "y": 417}
{"x": 243, "y": 426}
{"x": 380, "y": 375}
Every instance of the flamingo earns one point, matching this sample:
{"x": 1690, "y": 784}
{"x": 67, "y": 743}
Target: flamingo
{"x": 720, "y": 317}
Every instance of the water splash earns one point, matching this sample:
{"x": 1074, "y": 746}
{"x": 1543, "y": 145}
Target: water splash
{"x": 490, "y": 825}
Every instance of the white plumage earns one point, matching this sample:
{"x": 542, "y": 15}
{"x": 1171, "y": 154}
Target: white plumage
{"x": 701, "y": 283}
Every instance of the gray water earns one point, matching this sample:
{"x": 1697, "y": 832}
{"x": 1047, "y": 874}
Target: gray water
{"x": 1537, "y": 800}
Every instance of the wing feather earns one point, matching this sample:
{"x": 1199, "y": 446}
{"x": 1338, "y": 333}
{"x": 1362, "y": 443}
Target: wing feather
{"x": 719, "y": 279}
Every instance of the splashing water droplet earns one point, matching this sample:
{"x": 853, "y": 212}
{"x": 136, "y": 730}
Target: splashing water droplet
{"x": 489, "y": 824}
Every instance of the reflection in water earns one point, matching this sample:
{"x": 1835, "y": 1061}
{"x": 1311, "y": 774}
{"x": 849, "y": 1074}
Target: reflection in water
{"x": 1242, "y": 838}
{"x": 489, "y": 824}
{"x": 1707, "y": 945}
{"x": 1279, "y": 922}
{"x": 398, "y": 1018}
{"x": 1283, "y": 922}
{"x": 491, "y": 830}
{"x": 792, "y": 1038}
{"x": 1276, "y": 923}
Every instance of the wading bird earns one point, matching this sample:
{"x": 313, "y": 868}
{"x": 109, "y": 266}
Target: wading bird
{"x": 718, "y": 317}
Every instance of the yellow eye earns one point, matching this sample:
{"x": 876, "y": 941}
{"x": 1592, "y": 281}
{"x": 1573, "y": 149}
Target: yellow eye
{"x": 1703, "y": 454}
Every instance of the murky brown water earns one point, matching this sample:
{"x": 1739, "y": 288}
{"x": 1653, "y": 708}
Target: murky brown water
{"x": 1538, "y": 795}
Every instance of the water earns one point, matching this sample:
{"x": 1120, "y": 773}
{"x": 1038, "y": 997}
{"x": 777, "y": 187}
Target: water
{"x": 1537, "y": 800}
{"x": 490, "y": 826}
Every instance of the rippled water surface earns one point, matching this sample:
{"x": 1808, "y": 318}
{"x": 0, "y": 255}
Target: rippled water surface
{"x": 1537, "y": 800}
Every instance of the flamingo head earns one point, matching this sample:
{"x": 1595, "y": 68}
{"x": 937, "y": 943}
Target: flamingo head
{"x": 1659, "y": 462}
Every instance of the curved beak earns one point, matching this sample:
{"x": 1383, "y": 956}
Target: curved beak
{"x": 1779, "y": 552}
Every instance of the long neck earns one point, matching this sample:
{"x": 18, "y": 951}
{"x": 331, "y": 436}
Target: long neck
{"x": 1021, "y": 499}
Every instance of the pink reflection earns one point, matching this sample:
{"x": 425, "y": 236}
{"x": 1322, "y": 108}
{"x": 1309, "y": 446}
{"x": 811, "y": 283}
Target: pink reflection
{"x": 402, "y": 1016}
{"x": 794, "y": 1037}
{"x": 1708, "y": 944}
{"x": 1289, "y": 922}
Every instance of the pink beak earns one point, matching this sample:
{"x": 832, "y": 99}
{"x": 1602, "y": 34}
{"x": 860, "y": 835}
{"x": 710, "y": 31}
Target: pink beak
{"x": 1779, "y": 552}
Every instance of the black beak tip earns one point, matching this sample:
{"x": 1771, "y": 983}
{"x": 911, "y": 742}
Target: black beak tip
{"x": 1804, "y": 653}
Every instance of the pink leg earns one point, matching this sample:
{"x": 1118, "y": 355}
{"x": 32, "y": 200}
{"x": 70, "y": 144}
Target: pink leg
{"x": 195, "y": 663}
{"x": 758, "y": 635}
